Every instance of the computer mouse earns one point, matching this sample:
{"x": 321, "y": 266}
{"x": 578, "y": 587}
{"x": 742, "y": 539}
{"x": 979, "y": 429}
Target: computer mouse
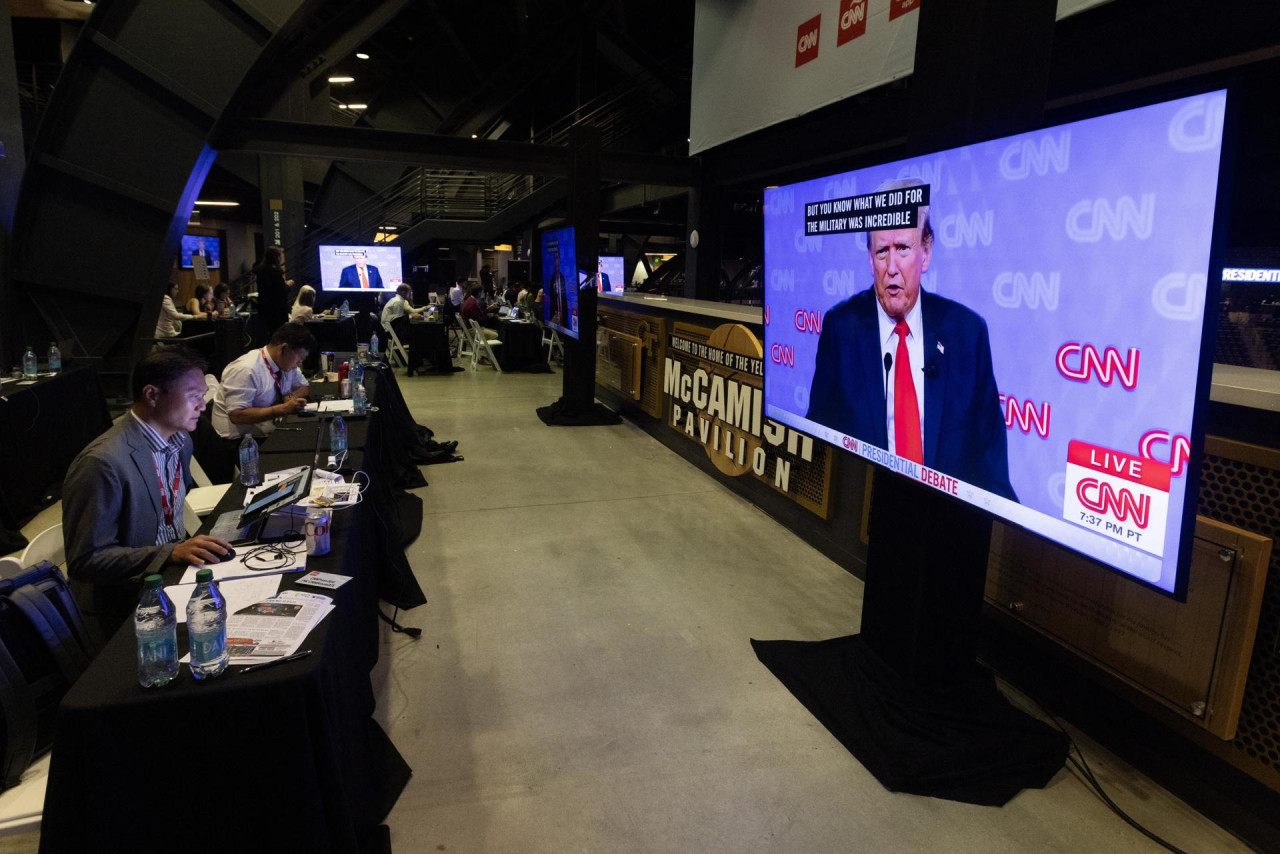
{"x": 231, "y": 553}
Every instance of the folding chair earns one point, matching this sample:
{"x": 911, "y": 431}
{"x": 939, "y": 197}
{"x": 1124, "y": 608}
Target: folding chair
{"x": 47, "y": 545}
{"x": 463, "y": 336}
{"x": 550, "y": 340}
{"x": 397, "y": 350}
{"x": 481, "y": 346}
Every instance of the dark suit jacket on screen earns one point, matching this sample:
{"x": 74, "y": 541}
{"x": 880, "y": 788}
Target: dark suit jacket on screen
{"x": 964, "y": 429}
{"x": 351, "y": 278}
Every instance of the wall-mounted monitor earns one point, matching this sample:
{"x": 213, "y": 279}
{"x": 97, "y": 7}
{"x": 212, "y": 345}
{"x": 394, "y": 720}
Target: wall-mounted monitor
{"x": 201, "y": 244}
{"x": 354, "y": 268}
{"x": 1018, "y": 323}
{"x": 613, "y": 275}
{"x": 560, "y": 281}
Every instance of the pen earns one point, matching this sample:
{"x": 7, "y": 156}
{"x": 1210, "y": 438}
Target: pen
{"x": 267, "y": 664}
{"x": 296, "y": 429}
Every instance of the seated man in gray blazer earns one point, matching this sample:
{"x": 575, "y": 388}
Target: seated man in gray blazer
{"x": 123, "y": 496}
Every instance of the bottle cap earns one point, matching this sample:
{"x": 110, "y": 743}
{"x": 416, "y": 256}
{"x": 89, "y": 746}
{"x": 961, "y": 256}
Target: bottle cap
{"x": 151, "y": 582}
{"x": 203, "y": 575}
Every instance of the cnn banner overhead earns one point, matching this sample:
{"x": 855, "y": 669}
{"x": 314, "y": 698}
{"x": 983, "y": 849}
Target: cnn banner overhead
{"x": 760, "y": 62}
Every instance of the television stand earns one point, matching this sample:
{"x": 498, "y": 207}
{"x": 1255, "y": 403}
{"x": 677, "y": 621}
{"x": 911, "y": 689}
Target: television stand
{"x": 906, "y": 695}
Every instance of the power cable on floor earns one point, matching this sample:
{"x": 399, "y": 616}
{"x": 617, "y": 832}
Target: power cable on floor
{"x": 1087, "y": 773}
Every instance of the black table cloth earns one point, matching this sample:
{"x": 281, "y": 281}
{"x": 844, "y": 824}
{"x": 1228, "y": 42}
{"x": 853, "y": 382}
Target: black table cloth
{"x": 286, "y": 759}
{"x": 229, "y": 341}
{"x": 429, "y": 341}
{"x": 43, "y": 427}
{"x": 332, "y": 336}
{"x": 521, "y": 348}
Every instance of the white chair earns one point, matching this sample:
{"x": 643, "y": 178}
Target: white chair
{"x": 190, "y": 519}
{"x": 22, "y": 806}
{"x": 211, "y": 386}
{"x": 10, "y": 566}
{"x": 464, "y": 347}
{"x": 47, "y": 545}
{"x": 206, "y": 495}
{"x": 397, "y": 350}
{"x": 550, "y": 340}
{"x": 482, "y": 347}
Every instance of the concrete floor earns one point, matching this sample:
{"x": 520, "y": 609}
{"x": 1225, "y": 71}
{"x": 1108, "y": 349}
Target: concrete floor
{"x": 584, "y": 680}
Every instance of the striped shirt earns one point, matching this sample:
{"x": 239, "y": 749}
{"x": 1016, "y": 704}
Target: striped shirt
{"x": 169, "y": 480}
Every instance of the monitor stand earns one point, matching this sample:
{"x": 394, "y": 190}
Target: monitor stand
{"x": 906, "y": 695}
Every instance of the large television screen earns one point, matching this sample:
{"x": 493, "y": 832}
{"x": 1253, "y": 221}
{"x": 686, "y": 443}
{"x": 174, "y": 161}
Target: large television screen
{"x": 348, "y": 268}
{"x": 1018, "y": 323}
{"x": 560, "y": 281}
{"x": 199, "y": 244}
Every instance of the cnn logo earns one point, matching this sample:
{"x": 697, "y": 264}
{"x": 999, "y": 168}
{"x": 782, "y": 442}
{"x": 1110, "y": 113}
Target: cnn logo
{"x": 853, "y": 21}
{"x": 807, "y": 40}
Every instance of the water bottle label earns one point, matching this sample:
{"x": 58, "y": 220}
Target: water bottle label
{"x": 208, "y": 647}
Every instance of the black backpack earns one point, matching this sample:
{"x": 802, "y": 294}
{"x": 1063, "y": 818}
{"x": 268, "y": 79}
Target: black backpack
{"x": 44, "y": 647}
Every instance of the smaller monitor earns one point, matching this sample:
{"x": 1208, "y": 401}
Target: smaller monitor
{"x": 559, "y": 281}
{"x": 349, "y": 269}
{"x": 276, "y": 496}
{"x": 614, "y": 270}
{"x": 194, "y": 245}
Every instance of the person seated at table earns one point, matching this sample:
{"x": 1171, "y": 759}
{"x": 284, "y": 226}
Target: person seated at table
{"x": 202, "y": 302}
{"x": 169, "y": 324}
{"x": 123, "y": 495}
{"x": 222, "y": 298}
{"x": 472, "y": 310}
{"x": 264, "y": 384}
{"x": 304, "y": 309}
{"x": 400, "y": 306}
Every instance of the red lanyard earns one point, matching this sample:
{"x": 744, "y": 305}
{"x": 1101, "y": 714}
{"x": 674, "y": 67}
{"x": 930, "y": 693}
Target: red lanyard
{"x": 165, "y": 504}
{"x": 275, "y": 375}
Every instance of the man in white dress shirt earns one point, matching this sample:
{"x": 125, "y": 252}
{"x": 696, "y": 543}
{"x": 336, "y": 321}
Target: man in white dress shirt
{"x": 264, "y": 384}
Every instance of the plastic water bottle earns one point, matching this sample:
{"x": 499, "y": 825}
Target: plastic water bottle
{"x": 373, "y": 344}
{"x": 207, "y": 627}
{"x": 346, "y": 306}
{"x": 29, "y": 365}
{"x": 55, "y": 359}
{"x": 360, "y": 399}
{"x": 233, "y": 311}
{"x": 155, "y": 622}
{"x": 338, "y": 436}
{"x": 249, "y": 462}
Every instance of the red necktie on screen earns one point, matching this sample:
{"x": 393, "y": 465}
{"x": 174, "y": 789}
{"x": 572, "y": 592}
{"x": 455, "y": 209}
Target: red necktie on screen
{"x": 906, "y": 409}
{"x": 364, "y": 278}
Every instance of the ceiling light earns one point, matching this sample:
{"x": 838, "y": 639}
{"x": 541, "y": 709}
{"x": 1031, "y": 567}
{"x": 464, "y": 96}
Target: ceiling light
{"x": 502, "y": 247}
{"x": 473, "y": 136}
{"x": 211, "y": 204}
{"x": 357, "y": 106}
{"x": 342, "y": 80}
{"x": 362, "y": 56}
{"x": 390, "y": 228}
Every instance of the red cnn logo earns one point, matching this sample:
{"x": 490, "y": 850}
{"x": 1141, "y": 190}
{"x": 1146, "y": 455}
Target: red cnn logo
{"x": 807, "y": 40}
{"x": 1103, "y": 498}
{"x": 853, "y": 21}
{"x": 898, "y": 8}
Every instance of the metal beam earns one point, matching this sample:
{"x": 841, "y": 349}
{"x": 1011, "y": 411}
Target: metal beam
{"x": 302, "y": 139}
{"x": 353, "y": 37}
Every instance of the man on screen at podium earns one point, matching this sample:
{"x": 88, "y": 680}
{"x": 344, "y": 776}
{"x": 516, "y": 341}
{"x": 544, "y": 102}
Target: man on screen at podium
{"x": 910, "y": 371}
{"x": 361, "y": 274}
